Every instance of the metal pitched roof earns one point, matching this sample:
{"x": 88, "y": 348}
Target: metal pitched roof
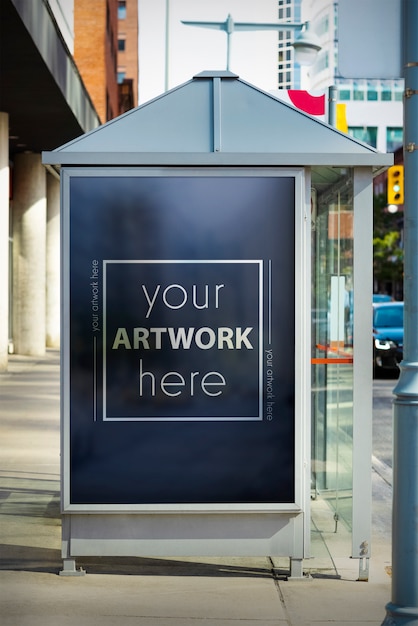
{"x": 216, "y": 119}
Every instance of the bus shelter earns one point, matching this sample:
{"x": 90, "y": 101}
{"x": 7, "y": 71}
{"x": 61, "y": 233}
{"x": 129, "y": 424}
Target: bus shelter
{"x": 216, "y": 328}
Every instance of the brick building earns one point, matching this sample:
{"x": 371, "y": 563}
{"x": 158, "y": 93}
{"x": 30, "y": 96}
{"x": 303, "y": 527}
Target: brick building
{"x": 128, "y": 54}
{"x": 95, "y": 52}
{"x": 106, "y": 53}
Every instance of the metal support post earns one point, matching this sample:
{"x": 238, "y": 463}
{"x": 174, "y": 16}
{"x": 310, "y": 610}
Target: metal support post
{"x": 332, "y": 106}
{"x": 296, "y": 569}
{"x": 403, "y": 609}
{"x": 68, "y": 562}
{"x": 69, "y": 568}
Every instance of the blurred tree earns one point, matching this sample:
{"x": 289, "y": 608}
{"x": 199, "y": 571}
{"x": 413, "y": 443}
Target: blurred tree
{"x": 387, "y": 249}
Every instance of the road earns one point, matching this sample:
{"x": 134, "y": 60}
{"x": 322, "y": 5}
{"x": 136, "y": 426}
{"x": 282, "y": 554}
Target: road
{"x": 382, "y": 458}
{"x": 382, "y": 418}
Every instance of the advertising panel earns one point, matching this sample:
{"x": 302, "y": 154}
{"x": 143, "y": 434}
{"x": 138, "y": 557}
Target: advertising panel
{"x": 180, "y": 323}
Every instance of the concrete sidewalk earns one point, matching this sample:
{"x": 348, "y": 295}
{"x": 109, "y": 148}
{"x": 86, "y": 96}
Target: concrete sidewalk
{"x": 156, "y": 592}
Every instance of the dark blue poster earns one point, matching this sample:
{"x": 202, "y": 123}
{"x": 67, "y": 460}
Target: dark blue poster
{"x": 182, "y": 339}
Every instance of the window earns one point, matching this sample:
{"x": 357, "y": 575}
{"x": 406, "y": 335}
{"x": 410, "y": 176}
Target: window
{"x": 367, "y": 134}
{"x": 121, "y": 76}
{"x": 332, "y": 286}
{"x": 372, "y": 92}
{"x": 323, "y": 26}
{"x": 285, "y": 10}
{"x": 394, "y": 138}
{"x": 121, "y": 45}
{"x": 322, "y": 62}
{"x": 344, "y": 94}
{"x": 121, "y": 9}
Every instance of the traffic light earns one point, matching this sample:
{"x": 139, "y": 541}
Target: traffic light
{"x": 395, "y": 185}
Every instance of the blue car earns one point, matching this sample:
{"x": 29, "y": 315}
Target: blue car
{"x": 381, "y": 297}
{"x": 387, "y": 335}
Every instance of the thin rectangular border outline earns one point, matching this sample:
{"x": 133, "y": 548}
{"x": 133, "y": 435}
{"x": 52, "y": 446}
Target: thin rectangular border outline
{"x": 258, "y": 262}
{"x": 300, "y": 175}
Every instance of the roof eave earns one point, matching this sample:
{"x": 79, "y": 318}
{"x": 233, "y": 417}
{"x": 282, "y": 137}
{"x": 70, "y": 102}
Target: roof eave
{"x": 372, "y": 159}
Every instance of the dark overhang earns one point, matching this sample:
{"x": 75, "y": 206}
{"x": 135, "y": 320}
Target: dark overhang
{"x": 40, "y": 87}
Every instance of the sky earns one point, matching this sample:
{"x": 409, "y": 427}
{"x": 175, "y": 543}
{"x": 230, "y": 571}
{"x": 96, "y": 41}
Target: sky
{"x": 192, "y": 50}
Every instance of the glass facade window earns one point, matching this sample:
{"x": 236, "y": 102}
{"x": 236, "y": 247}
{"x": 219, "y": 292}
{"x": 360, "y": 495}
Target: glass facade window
{"x": 323, "y": 27}
{"x": 344, "y": 94}
{"x": 367, "y": 134}
{"x": 289, "y": 74}
{"x": 358, "y": 93}
{"x": 286, "y": 9}
{"x": 394, "y": 138}
{"x": 122, "y": 10}
{"x": 372, "y": 93}
{"x": 322, "y": 62}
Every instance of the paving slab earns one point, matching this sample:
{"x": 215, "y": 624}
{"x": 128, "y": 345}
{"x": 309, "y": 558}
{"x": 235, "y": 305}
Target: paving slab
{"x": 161, "y": 591}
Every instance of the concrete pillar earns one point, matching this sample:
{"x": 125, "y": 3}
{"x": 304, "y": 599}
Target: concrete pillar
{"x": 29, "y": 253}
{"x": 4, "y": 240}
{"x": 53, "y": 262}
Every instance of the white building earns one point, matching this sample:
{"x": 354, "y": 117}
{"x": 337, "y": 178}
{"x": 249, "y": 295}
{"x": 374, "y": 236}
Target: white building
{"x": 374, "y": 110}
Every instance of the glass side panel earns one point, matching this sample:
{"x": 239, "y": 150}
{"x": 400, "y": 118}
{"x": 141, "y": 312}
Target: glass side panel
{"x": 332, "y": 338}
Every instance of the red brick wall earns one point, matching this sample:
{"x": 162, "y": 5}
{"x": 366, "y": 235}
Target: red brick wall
{"x": 128, "y": 60}
{"x": 95, "y": 52}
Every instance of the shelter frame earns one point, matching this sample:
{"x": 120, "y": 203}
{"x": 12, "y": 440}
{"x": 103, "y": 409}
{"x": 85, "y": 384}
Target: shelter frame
{"x": 212, "y": 529}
